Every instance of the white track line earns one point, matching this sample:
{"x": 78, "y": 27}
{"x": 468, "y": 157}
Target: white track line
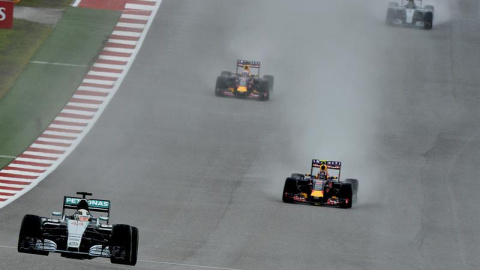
{"x": 120, "y": 50}
{"x": 98, "y": 73}
{"x": 140, "y": 7}
{"x": 57, "y": 64}
{"x": 114, "y": 58}
{"x": 100, "y": 82}
{"x": 22, "y": 180}
{"x": 54, "y": 140}
{"x": 132, "y": 25}
{"x": 126, "y": 33}
{"x": 35, "y": 160}
{"x": 190, "y": 265}
{"x": 92, "y": 98}
{"x": 83, "y": 105}
{"x": 76, "y": 3}
{"x": 12, "y": 185}
{"x": 100, "y": 65}
{"x": 135, "y": 17}
{"x": 74, "y": 120}
{"x": 169, "y": 263}
{"x": 124, "y": 42}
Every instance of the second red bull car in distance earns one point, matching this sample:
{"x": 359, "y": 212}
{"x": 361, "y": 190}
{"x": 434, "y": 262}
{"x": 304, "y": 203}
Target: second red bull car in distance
{"x": 245, "y": 82}
{"x": 322, "y": 186}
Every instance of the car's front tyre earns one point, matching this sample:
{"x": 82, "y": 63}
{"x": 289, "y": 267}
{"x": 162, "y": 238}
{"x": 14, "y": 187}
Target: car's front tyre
{"x": 265, "y": 90}
{"x": 289, "y": 188}
{"x": 354, "y": 183}
{"x": 124, "y": 244}
{"x": 219, "y": 85}
{"x": 30, "y": 232}
{"x": 346, "y": 193}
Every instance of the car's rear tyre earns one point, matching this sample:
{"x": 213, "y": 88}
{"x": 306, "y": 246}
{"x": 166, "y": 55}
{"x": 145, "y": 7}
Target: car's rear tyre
{"x": 265, "y": 90}
{"x": 289, "y": 187}
{"x": 122, "y": 245}
{"x": 30, "y": 232}
{"x": 391, "y": 13}
{"x": 134, "y": 246}
{"x": 298, "y": 175}
{"x": 428, "y": 20}
{"x": 226, "y": 73}
{"x": 270, "y": 80}
{"x": 346, "y": 192}
{"x": 390, "y": 16}
{"x": 219, "y": 85}
{"x": 354, "y": 183}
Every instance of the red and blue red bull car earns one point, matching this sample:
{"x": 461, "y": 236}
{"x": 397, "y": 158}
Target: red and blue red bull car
{"x": 245, "y": 82}
{"x": 322, "y": 186}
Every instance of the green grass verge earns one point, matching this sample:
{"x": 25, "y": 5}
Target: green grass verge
{"x": 17, "y": 46}
{"x": 46, "y": 3}
{"x": 43, "y": 89}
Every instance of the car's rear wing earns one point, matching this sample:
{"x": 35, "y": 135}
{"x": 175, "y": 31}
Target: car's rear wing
{"x": 94, "y": 205}
{"x": 332, "y": 165}
{"x": 250, "y": 64}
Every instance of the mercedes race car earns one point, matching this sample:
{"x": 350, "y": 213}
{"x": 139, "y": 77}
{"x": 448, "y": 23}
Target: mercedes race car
{"x": 78, "y": 234}
{"x": 322, "y": 186}
{"x": 245, "y": 82}
{"x": 410, "y": 15}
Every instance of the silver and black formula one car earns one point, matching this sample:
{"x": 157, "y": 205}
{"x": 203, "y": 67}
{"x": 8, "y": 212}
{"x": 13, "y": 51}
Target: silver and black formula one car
{"x": 245, "y": 82}
{"x": 319, "y": 187}
{"x": 410, "y": 15}
{"x": 78, "y": 234}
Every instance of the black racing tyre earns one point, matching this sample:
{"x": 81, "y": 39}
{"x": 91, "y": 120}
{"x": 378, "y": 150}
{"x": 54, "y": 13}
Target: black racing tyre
{"x": 134, "y": 246}
{"x": 226, "y": 73}
{"x": 390, "y": 16}
{"x": 30, "y": 231}
{"x": 289, "y": 187}
{"x": 429, "y": 8}
{"x": 121, "y": 244}
{"x": 264, "y": 88}
{"x": 298, "y": 175}
{"x": 346, "y": 192}
{"x": 220, "y": 84}
{"x": 428, "y": 20}
{"x": 392, "y": 4}
{"x": 354, "y": 183}
{"x": 270, "y": 80}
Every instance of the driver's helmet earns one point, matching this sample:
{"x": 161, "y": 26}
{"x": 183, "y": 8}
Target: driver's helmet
{"x": 82, "y": 204}
{"x": 410, "y": 4}
{"x": 246, "y": 71}
{"x": 323, "y": 173}
{"x": 82, "y": 215}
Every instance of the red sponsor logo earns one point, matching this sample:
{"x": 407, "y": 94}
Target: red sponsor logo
{"x": 6, "y": 14}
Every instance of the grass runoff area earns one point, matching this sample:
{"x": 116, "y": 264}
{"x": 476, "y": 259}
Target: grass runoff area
{"x": 18, "y": 45}
{"x": 42, "y": 90}
{"x": 46, "y": 3}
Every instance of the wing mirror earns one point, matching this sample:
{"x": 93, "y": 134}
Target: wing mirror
{"x": 103, "y": 218}
{"x": 57, "y": 214}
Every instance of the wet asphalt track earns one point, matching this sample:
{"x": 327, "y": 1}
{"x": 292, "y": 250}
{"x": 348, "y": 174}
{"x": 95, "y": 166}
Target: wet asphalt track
{"x": 202, "y": 176}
